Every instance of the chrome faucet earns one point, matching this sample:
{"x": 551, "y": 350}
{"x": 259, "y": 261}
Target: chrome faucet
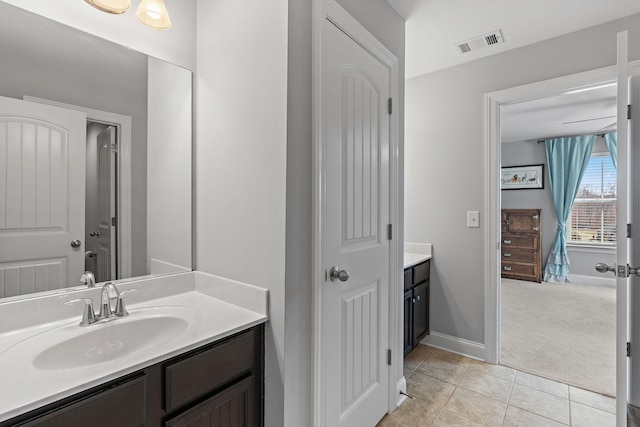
{"x": 88, "y": 279}
{"x": 108, "y": 296}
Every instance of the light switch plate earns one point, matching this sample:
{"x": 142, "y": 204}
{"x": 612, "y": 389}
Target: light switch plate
{"x": 473, "y": 219}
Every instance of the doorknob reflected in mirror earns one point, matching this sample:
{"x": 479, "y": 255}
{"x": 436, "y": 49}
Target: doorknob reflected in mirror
{"x": 337, "y": 273}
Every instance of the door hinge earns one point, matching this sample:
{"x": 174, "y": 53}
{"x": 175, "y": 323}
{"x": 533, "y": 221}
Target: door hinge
{"x": 628, "y": 231}
{"x": 390, "y": 105}
{"x": 389, "y": 231}
{"x": 114, "y": 221}
{"x": 628, "y": 349}
{"x": 629, "y": 112}
{"x": 114, "y": 148}
{"x": 389, "y": 357}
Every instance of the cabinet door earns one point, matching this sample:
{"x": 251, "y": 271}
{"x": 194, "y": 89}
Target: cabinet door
{"x": 420, "y": 311}
{"x": 408, "y": 329}
{"x": 232, "y": 407}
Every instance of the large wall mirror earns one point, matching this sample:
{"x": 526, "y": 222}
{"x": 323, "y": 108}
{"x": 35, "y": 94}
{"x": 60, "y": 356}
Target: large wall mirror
{"x": 95, "y": 158}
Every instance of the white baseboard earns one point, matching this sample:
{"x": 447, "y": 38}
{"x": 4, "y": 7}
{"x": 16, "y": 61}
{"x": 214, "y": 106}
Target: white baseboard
{"x": 401, "y": 387}
{"x": 456, "y": 345}
{"x": 579, "y": 279}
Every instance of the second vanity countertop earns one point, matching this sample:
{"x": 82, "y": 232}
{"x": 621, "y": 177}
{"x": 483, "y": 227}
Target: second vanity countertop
{"x": 415, "y": 253}
{"x": 217, "y": 308}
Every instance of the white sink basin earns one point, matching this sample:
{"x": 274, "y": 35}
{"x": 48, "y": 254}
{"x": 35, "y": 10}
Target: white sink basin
{"x": 71, "y": 346}
{"x": 111, "y": 340}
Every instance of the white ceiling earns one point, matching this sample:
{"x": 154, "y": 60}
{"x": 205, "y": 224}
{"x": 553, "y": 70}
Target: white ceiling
{"x": 569, "y": 114}
{"x": 435, "y": 27}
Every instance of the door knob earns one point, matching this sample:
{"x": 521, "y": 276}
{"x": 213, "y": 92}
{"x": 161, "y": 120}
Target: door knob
{"x": 337, "y": 273}
{"x": 76, "y": 243}
{"x": 601, "y": 267}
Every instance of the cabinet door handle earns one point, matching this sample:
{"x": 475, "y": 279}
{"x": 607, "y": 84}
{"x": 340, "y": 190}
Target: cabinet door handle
{"x": 418, "y": 297}
{"x": 536, "y": 228}
{"x": 506, "y": 242}
{"x": 507, "y": 268}
{"x": 414, "y": 300}
{"x": 507, "y": 254}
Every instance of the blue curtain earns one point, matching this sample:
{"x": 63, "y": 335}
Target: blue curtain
{"x": 567, "y": 159}
{"x": 612, "y": 145}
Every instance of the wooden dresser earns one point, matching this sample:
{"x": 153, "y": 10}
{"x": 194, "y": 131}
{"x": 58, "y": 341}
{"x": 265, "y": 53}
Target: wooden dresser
{"x": 521, "y": 244}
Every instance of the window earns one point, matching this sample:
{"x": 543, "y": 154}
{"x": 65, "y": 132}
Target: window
{"x": 593, "y": 216}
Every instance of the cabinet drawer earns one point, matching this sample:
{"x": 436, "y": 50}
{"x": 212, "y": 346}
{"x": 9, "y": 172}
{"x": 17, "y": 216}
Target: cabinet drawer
{"x": 510, "y": 255}
{"x": 520, "y": 269}
{"x": 121, "y": 405}
{"x": 208, "y": 370}
{"x": 408, "y": 278}
{"x": 522, "y": 241}
{"x": 421, "y": 272}
{"x": 233, "y": 407}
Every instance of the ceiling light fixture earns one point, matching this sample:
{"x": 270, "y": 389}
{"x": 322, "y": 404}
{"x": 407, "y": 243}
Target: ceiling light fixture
{"x": 115, "y": 7}
{"x": 152, "y": 13}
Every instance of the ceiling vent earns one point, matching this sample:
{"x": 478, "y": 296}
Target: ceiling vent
{"x": 479, "y": 42}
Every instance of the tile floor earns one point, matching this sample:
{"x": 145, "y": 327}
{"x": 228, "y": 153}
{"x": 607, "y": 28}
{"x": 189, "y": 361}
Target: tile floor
{"x": 453, "y": 390}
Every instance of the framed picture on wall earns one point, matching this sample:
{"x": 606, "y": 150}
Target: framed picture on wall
{"x": 527, "y": 177}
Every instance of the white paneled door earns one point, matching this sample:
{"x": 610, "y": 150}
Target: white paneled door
{"x": 356, "y": 293}
{"x": 42, "y": 165}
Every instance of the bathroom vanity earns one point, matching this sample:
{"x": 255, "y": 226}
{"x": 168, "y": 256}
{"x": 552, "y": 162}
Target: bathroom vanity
{"x": 417, "y": 270}
{"x": 176, "y": 360}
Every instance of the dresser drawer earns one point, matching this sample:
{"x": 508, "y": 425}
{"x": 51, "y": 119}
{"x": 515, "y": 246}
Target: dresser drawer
{"x": 219, "y": 365}
{"x": 510, "y": 255}
{"x": 520, "y": 241}
{"x": 520, "y": 269}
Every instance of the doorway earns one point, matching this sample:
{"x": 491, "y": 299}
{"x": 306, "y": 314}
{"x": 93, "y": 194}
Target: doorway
{"x": 561, "y": 331}
{"x": 101, "y": 226}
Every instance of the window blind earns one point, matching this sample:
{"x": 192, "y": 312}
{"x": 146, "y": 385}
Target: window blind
{"x": 593, "y": 216}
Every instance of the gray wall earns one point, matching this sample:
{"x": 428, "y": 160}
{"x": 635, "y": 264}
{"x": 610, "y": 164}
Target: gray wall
{"x": 444, "y": 159}
{"x": 582, "y": 261}
{"x": 383, "y": 22}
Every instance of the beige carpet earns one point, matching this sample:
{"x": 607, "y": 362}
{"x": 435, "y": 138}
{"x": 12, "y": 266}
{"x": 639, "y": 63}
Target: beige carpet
{"x": 564, "y": 332}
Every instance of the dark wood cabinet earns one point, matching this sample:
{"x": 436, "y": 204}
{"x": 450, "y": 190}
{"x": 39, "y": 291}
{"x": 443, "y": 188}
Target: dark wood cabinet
{"x": 521, "y": 255}
{"x": 219, "y": 384}
{"x": 416, "y": 304}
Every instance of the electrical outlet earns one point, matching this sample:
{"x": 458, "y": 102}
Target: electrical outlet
{"x": 473, "y": 219}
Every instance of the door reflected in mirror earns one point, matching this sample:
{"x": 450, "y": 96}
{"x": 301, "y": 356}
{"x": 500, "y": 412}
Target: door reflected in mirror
{"x": 120, "y": 184}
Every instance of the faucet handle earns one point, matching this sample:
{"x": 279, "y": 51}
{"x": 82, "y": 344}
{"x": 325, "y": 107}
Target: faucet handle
{"x": 88, "y": 315}
{"x": 120, "y": 310}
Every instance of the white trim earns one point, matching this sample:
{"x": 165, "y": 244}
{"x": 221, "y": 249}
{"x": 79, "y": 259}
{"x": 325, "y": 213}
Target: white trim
{"x": 330, "y": 10}
{"x": 401, "y": 390}
{"x": 124, "y": 174}
{"x": 472, "y": 349}
{"x": 493, "y": 101}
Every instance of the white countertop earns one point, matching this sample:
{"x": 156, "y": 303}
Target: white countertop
{"x": 415, "y": 253}
{"x": 412, "y": 259}
{"x": 219, "y": 308}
